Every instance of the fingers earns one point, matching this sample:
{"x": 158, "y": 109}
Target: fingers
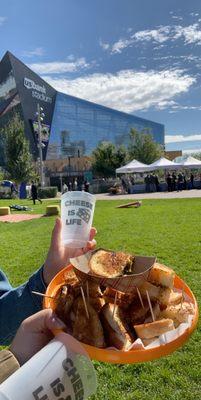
{"x": 42, "y": 321}
{"x": 93, "y": 232}
{"x": 90, "y": 246}
{"x": 53, "y": 322}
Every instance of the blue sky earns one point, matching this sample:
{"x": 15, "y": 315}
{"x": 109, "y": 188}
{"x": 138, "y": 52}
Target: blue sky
{"x": 138, "y": 56}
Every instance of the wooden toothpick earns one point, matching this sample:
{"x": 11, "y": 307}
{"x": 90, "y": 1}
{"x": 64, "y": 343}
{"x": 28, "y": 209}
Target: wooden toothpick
{"x": 140, "y": 297}
{"x": 87, "y": 288}
{"x": 115, "y": 303}
{"x": 84, "y": 301}
{"x": 150, "y": 305}
{"x": 42, "y": 294}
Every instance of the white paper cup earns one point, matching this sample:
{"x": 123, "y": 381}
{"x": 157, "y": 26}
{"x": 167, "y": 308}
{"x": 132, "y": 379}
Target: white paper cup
{"x": 61, "y": 370}
{"x": 77, "y": 210}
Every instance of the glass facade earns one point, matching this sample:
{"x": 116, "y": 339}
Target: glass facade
{"x": 72, "y": 128}
{"x": 7, "y": 87}
{"x": 78, "y": 126}
{"x": 9, "y": 100}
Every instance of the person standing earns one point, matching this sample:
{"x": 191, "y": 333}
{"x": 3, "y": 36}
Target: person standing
{"x": 124, "y": 186}
{"x": 192, "y": 181}
{"x": 75, "y": 184}
{"x": 156, "y": 181}
{"x": 184, "y": 182}
{"x": 34, "y": 193}
{"x": 132, "y": 185}
{"x": 169, "y": 182}
{"x": 70, "y": 186}
{"x": 147, "y": 183}
{"x": 179, "y": 182}
{"x": 64, "y": 188}
{"x": 174, "y": 178}
{"x": 152, "y": 183}
{"x": 86, "y": 186}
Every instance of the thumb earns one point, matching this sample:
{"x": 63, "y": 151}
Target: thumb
{"x": 56, "y": 234}
{"x": 43, "y": 321}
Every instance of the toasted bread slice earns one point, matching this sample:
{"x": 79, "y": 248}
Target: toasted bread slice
{"x": 123, "y": 299}
{"x": 152, "y": 329}
{"x": 151, "y": 289}
{"x": 117, "y": 331}
{"x": 136, "y": 314}
{"x": 64, "y": 301}
{"x": 160, "y": 275}
{"x": 71, "y": 278}
{"x": 110, "y": 264}
{"x": 167, "y": 296}
{"x": 93, "y": 289}
{"x": 156, "y": 312}
{"x": 178, "y": 313}
{"x": 88, "y": 330}
{"x": 97, "y": 303}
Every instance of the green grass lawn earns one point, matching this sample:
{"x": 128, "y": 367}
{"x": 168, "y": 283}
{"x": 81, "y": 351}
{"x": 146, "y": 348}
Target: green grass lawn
{"x": 168, "y": 229}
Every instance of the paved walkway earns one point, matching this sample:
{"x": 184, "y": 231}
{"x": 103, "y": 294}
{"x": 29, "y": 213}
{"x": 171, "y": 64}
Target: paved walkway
{"x": 19, "y": 217}
{"x": 184, "y": 194}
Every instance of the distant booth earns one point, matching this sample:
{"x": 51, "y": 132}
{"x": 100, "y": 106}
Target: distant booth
{"x": 136, "y": 167}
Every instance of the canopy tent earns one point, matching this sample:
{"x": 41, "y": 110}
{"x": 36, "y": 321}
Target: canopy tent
{"x": 162, "y": 163}
{"x": 132, "y": 166}
{"x": 190, "y": 162}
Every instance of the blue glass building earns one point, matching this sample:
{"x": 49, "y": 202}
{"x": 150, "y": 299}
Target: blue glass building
{"x": 78, "y": 126}
{"x": 72, "y": 127}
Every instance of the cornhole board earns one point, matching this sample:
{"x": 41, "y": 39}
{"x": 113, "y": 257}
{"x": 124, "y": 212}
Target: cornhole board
{"x": 132, "y": 204}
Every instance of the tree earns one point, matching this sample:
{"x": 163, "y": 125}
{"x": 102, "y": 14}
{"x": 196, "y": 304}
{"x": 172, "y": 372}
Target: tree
{"x": 106, "y": 158}
{"x": 143, "y": 148}
{"x": 18, "y": 158}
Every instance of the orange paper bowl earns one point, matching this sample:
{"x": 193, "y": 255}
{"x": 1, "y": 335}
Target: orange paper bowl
{"x": 136, "y": 355}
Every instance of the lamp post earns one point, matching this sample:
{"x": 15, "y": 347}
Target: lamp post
{"x": 40, "y": 115}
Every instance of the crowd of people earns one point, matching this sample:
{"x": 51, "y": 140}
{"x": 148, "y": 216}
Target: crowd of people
{"x": 174, "y": 182}
{"x": 179, "y": 182}
{"x": 75, "y": 185}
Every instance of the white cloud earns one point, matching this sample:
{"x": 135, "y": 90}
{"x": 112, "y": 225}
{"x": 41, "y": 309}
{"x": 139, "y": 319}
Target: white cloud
{"x": 190, "y": 34}
{"x": 2, "y": 20}
{"x": 71, "y": 57}
{"x": 105, "y": 46}
{"x": 182, "y": 138}
{"x": 194, "y": 14}
{"x": 159, "y": 35}
{"x": 128, "y": 90}
{"x": 120, "y": 45}
{"x": 177, "y": 17}
{"x": 38, "y": 51}
{"x": 57, "y": 67}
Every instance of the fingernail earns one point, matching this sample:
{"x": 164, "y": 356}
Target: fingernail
{"x": 91, "y": 244}
{"x": 58, "y": 323}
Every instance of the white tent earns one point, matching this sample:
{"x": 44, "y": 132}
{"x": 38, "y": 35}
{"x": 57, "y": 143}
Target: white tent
{"x": 190, "y": 162}
{"x": 162, "y": 163}
{"x": 132, "y": 166}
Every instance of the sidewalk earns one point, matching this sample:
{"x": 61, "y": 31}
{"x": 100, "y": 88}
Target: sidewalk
{"x": 185, "y": 194}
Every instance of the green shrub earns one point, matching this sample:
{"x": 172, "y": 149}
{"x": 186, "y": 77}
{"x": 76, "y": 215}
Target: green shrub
{"x": 47, "y": 192}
